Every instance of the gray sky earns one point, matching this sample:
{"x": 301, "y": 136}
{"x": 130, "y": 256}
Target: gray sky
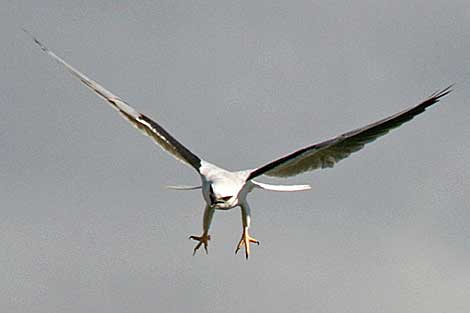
{"x": 88, "y": 227}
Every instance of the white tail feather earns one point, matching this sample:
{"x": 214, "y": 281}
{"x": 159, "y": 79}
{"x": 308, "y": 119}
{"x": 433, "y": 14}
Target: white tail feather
{"x": 183, "y": 187}
{"x": 281, "y": 187}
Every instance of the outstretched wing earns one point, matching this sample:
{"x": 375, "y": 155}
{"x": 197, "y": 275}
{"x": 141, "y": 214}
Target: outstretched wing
{"x": 143, "y": 123}
{"x": 328, "y": 153}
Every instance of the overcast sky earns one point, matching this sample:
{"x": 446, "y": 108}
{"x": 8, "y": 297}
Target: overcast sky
{"x": 87, "y": 226}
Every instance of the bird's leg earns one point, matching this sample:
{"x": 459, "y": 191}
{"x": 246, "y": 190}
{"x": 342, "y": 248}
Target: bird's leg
{"x": 245, "y": 241}
{"x": 246, "y": 238}
{"x": 205, "y": 237}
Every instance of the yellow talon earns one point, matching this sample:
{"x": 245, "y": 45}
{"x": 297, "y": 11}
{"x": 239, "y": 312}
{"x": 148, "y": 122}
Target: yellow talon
{"x": 204, "y": 239}
{"x": 245, "y": 241}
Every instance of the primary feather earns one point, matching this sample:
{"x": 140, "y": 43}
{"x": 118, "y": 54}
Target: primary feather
{"x": 328, "y": 153}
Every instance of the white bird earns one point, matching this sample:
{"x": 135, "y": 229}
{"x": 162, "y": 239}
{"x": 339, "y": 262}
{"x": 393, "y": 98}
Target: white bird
{"x": 224, "y": 190}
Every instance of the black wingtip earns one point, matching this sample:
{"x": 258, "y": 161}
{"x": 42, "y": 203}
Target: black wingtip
{"x": 444, "y": 92}
{"x": 40, "y": 44}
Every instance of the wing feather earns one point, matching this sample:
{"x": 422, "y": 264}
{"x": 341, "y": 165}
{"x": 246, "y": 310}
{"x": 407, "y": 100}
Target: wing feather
{"x": 326, "y": 154}
{"x": 143, "y": 123}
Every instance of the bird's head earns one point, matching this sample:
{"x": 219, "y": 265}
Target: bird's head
{"x": 221, "y": 197}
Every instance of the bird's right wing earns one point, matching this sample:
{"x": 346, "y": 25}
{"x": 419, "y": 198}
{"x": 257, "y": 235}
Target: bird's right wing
{"x": 328, "y": 153}
{"x": 143, "y": 123}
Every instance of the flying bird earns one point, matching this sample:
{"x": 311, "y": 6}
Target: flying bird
{"x": 225, "y": 190}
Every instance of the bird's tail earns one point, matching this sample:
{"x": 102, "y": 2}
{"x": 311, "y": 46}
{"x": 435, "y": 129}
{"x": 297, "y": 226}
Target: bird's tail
{"x": 281, "y": 187}
{"x": 181, "y": 187}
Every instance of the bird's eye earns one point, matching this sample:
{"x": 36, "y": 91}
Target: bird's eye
{"x": 226, "y": 198}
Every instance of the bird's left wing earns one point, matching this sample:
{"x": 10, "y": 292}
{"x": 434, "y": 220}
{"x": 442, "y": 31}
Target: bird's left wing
{"x": 328, "y": 153}
{"x": 143, "y": 123}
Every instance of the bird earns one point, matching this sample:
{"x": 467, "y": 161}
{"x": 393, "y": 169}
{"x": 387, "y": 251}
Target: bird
{"x": 223, "y": 189}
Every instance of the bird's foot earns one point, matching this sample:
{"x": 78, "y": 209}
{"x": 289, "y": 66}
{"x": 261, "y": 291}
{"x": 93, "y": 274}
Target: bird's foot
{"x": 203, "y": 240}
{"x": 245, "y": 241}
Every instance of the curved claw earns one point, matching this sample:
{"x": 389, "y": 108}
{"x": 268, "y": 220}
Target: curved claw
{"x": 203, "y": 240}
{"x": 245, "y": 241}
